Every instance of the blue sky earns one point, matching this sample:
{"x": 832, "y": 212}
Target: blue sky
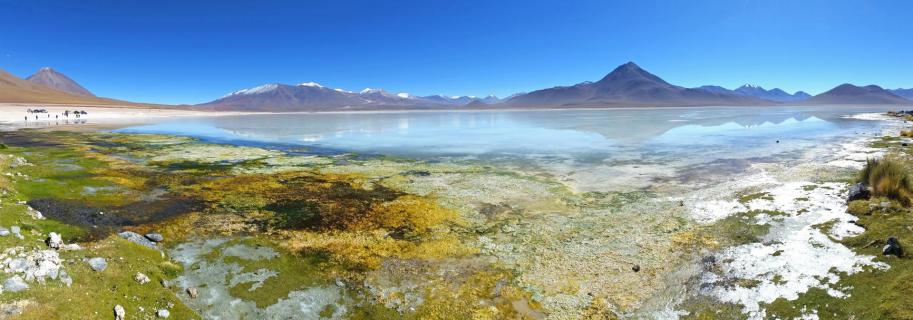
{"x": 195, "y": 51}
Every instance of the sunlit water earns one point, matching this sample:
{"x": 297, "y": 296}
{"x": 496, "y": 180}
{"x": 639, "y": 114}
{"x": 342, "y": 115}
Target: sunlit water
{"x": 592, "y": 147}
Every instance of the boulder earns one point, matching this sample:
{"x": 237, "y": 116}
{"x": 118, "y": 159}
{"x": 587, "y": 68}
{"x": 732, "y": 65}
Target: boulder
{"x": 4, "y": 232}
{"x": 54, "y": 240}
{"x": 162, "y": 313}
{"x": 98, "y": 264}
{"x": 137, "y": 239}
{"x": 155, "y": 237}
{"x": 858, "y": 191}
{"x": 15, "y": 284}
{"x": 119, "y": 312}
{"x": 893, "y": 248}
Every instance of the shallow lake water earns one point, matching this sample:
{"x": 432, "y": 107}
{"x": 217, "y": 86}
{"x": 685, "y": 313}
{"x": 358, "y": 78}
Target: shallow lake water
{"x": 581, "y": 145}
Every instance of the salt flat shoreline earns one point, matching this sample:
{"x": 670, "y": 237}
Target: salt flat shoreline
{"x": 14, "y": 113}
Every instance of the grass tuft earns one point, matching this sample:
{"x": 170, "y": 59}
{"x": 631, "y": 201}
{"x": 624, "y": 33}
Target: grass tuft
{"x": 888, "y": 178}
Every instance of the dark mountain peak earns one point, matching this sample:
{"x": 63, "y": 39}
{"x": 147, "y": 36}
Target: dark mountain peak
{"x": 629, "y": 72}
{"x": 845, "y": 86}
{"x": 629, "y": 65}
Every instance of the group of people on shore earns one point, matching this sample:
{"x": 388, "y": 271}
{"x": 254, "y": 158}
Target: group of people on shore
{"x": 66, "y": 113}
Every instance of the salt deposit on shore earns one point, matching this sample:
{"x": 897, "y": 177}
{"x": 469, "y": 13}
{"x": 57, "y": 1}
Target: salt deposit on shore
{"x": 14, "y": 115}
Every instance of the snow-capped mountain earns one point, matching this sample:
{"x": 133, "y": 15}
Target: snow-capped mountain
{"x": 750, "y": 90}
{"x": 312, "y": 96}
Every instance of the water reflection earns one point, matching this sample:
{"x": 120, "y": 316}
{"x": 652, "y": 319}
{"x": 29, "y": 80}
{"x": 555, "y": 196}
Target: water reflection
{"x": 740, "y": 130}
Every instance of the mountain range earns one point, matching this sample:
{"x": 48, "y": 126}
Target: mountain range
{"x": 627, "y": 85}
{"x": 775, "y": 94}
{"x": 312, "y": 96}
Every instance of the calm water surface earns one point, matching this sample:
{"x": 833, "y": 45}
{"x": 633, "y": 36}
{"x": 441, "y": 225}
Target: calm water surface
{"x": 675, "y": 134}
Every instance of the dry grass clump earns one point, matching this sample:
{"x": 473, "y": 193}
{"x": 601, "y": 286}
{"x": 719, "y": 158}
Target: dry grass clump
{"x": 906, "y": 133}
{"x": 888, "y": 178}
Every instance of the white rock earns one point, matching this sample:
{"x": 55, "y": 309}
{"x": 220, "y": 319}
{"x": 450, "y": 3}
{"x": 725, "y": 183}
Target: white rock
{"x": 98, "y": 264}
{"x": 15, "y": 284}
{"x": 162, "y": 313}
{"x": 141, "y": 278}
{"x": 54, "y": 240}
{"x": 119, "y": 313}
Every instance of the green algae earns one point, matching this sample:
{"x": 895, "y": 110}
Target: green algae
{"x": 293, "y": 272}
{"x": 739, "y": 229}
{"x": 759, "y": 195}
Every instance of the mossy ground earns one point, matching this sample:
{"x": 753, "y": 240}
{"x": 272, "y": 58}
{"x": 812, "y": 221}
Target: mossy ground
{"x": 328, "y": 226}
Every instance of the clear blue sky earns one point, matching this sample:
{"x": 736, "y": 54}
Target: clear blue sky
{"x": 195, "y": 51}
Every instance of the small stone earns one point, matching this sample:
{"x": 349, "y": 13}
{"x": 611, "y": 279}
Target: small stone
{"x": 119, "y": 312}
{"x": 858, "y": 191}
{"x": 162, "y": 313}
{"x": 65, "y": 278}
{"x": 15, "y": 230}
{"x": 893, "y": 248}
{"x": 155, "y": 237}
{"x": 70, "y": 247}
{"x": 141, "y": 278}
{"x": 192, "y": 292}
{"x": 4, "y": 232}
{"x": 636, "y": 268}
{"x": 98, "y": 264}
{"x": 54, "y": 240}
{"x": 17, "y": 265}
{"x": 15, "y": 284}
{"x": 137, "y": 239}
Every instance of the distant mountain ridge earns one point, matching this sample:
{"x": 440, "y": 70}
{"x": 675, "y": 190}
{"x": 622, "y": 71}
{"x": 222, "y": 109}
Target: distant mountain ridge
{"x": 312, "y": 96}
{"x": 775, "y": 94}
{"x": 851, "y": 94}
{"x": 629, "y": 85}
{"x": 904, "y": 93}
{"x": 51, "y": 78}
